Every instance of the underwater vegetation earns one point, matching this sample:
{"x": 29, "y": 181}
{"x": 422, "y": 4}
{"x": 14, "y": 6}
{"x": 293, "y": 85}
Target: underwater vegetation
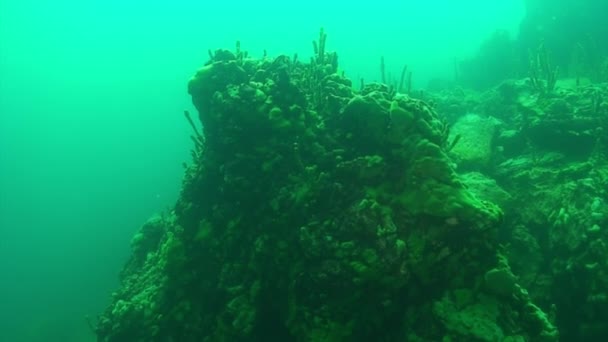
{"x": 314, "y": 211}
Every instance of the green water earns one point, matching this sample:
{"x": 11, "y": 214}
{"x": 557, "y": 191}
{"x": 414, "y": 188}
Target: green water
{"x": 92, "y": 136}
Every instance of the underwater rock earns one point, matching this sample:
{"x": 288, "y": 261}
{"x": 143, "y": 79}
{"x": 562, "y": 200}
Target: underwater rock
{"x": 476, "y": 144}
{"x": 486, "y": 188}
{"x": 313, "y": 213}
{"x": 475, "y": 322}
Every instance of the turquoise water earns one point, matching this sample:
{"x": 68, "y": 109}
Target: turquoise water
{"x": 92, "y": 136}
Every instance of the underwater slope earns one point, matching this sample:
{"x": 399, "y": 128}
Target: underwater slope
{"x": 314, "y": 212}
{"x": 549, "y": 156}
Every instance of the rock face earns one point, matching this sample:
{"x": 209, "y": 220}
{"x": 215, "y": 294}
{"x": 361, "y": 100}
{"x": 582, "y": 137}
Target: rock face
{"x": 313, "y": 212}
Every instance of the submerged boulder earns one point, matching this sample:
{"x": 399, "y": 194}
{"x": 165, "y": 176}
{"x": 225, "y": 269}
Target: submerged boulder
{"x": 315, "y": 213}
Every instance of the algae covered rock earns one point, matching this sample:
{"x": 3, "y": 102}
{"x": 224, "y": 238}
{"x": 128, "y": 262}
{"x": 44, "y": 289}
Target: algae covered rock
{"x": 475, "y": 322}
{"x": 475, "y": 146}
{"x": 312, "y": 212}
